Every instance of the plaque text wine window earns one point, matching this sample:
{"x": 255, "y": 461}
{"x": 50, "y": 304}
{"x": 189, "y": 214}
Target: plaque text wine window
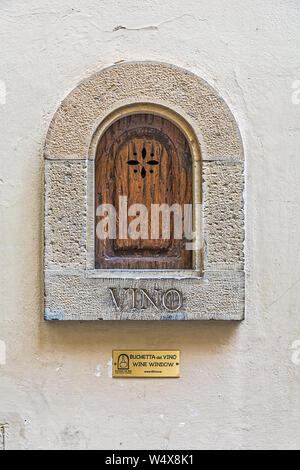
{"x": 144, "y": 209}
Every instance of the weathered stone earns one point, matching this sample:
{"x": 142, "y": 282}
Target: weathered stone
{"x": 65, "y": 213}
{"x": 223, "y": 214}
{"x": 218, "y": 295}
{"x": 85, "y": 107}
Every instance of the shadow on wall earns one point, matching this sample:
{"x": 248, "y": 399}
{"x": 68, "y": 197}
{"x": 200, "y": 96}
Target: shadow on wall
{"x": 204, "y": 336}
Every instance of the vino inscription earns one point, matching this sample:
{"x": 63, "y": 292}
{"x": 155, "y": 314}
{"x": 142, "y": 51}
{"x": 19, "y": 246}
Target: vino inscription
{"x": 141, "y": 299}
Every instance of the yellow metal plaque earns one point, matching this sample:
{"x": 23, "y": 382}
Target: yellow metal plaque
{"x": 146, "y": 363}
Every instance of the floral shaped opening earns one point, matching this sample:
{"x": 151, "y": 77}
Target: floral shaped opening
{"x": 140, "y": 164}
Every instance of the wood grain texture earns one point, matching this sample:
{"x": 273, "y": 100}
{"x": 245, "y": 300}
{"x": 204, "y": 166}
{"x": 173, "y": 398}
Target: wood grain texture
{"x": 146, "y": 158}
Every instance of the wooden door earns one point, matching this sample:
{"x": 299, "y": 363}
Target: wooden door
{"x": 147, "y": 159}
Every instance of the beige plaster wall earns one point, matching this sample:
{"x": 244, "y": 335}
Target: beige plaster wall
{"x": 239, "y": 386}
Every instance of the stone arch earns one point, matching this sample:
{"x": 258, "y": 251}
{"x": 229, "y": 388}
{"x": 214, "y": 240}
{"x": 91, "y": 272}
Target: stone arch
{"x": 74, "y": 122}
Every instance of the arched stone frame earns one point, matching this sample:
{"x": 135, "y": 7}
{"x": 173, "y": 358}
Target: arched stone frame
{"x": 215, "y": 290}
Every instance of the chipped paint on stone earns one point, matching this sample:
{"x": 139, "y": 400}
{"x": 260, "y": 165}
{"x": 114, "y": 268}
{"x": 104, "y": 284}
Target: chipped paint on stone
{"x": 175, "y": 316}
{"x": 54, "y": 314}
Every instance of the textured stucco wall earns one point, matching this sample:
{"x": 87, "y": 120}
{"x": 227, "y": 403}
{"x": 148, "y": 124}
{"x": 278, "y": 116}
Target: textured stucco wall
{"x": 239, "y": 385}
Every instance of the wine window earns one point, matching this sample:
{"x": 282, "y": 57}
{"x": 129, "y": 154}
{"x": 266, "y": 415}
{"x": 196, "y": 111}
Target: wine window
{"x": 143, "y": 192}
